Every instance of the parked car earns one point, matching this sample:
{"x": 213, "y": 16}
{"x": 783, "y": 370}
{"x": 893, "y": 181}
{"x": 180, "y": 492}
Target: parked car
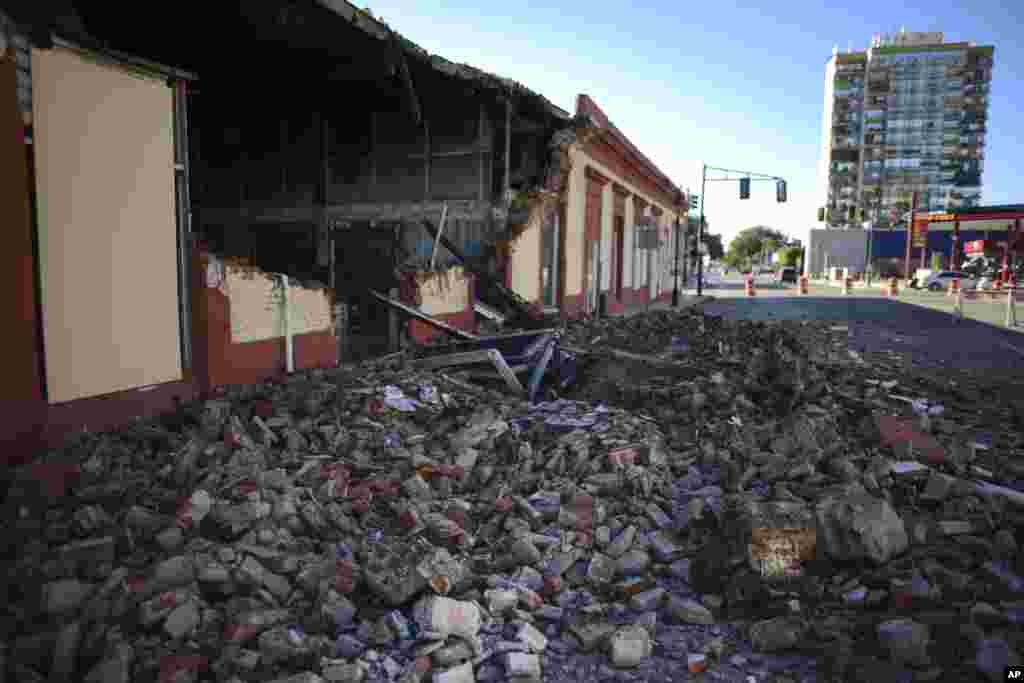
{"x": 937, "y": 282}
{"x": 786, "y": 275}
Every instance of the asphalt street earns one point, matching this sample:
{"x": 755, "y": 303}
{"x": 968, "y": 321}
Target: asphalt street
{"x": 879, "y": 325}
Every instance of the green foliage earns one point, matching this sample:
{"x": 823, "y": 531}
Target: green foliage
{"x": 754, "y": 241}
{"x": 789, "y": 256}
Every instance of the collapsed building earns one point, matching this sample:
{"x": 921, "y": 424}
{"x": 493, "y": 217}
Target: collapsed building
{"x": 241, "y": 203}
{"x": 306, "y": 169}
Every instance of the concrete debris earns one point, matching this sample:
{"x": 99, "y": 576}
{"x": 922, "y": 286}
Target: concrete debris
{"x": 630, "y": 646}
{"x": 732, "y": 492}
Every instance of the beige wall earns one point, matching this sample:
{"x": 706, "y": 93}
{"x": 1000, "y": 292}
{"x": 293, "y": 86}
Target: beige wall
{"x": 254, "y": 304}
{"x": 574, "y": 224}
{"x": 607, "y": 221}
{"x": 309, "y": 310}
{"x": 257, "y": 306}
{"x": 525, "y": 260}
{"x": 636, "y": 271}
{"x": 103, "y": 145}
{"x": 446, "y": 292}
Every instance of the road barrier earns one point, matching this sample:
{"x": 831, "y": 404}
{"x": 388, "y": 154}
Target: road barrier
{"x": 1013, "y": 295}
{"x": 847, "y": 282}
{"x": 748, "y": 287}
{"x": 803, "y": 284}
{"x": 894, "y": 288}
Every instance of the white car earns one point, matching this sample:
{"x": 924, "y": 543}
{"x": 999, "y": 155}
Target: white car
{"x": 939, "y": 282}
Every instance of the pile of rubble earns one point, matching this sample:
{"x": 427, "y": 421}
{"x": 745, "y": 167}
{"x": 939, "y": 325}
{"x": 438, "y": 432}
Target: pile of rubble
{"x": 747, "y": 501}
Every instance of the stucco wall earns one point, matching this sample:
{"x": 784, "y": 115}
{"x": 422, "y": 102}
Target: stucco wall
{"x": 446, "y": 292}
{"x": 636, "y": 270}
{"x": 104, "y": 154}
{"x": 525, "y": 260}
{"x": 257, "y": 306}
{"x": 574, "y": 224}
{"x": 607, "y": 221}
{"x": 629, "y": 247}
{"x": 239, "y": 325}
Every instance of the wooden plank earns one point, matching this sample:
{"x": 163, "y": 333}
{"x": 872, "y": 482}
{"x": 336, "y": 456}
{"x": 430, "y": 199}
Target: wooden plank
{"x": 506, "y": 372}
{"x": 451, "y": 359}
{"x": 488, "y": 312}
{"x": 420, "y": 315}
{"x": 440, "y": 231}
{"x": 492, "y": 356}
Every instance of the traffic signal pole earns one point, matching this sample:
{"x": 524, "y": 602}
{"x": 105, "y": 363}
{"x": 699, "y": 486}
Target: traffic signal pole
{"x": 746, "y": 177}
{"x": 700, "y": 231}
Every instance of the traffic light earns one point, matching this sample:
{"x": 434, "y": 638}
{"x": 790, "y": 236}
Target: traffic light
{"x": 744, "y": 188}
{"x": 821, "y": 214}
{"x": 780, "y": 191}
{"x": 694, "y": 201}
{"x": 860, "y": 215}
{"x": 851, "y": 213}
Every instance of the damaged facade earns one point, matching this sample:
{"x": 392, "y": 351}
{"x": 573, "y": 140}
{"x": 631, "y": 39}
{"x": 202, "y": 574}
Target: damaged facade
{"x": 602, "y": 235}
{"x": 236, "y": 205}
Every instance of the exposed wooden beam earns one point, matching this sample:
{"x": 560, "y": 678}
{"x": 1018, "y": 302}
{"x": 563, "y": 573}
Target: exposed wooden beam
{"x": 472, "y": 150}
{"x": 373, "y": 156}
{"x": 458, "y": 209}
{"x": 323, "y": 234}
{"x": 403, "y": 65}
{"x": 508, "y": 150}
{"x": 426, "y": 160}
{"x": 283, "y": 146}
{"x": 481, "y": 143}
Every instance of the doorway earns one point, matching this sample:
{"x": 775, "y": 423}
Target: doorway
{"x": 618, "y": 254}
{"x": 364, "y": 260}
{"x": 550, "y": 257}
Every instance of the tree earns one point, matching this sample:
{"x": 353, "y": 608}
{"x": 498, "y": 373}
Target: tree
{"x": 789, "y": 256}
{"x": 752, "y": 242}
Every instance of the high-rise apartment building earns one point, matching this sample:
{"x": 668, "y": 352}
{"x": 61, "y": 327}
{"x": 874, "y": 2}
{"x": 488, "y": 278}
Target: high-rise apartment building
{"x": 906, "y": 115}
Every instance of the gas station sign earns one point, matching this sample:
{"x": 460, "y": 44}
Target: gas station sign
{"x": 919, "y": 237}
{"x": 974, "y": 247}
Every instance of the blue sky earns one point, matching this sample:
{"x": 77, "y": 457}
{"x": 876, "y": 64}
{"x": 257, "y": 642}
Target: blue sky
{"x": 731, "y": 84}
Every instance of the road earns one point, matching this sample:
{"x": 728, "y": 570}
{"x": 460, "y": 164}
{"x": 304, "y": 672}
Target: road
{"x": 917, "y": 325}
